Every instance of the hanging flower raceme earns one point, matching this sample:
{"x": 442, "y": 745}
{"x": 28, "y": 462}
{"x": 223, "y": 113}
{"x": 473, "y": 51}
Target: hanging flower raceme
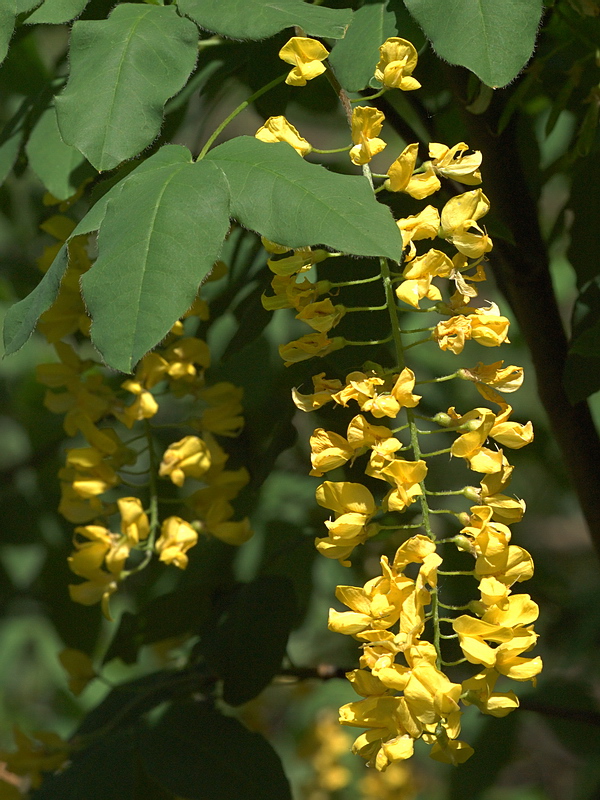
{"x": 409, "y": 680}
{"x": 117, "y": 535}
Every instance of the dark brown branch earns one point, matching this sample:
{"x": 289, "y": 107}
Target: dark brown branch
{"x": 523, "y": 274}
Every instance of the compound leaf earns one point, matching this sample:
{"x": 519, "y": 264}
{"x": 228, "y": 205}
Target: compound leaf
{"x": 159, "y": 238}
{"x": 493, "y": 39}
{"x": 258, "y": 19}
{"x": 123, "y": 70}
{"x": 275, "y": 192}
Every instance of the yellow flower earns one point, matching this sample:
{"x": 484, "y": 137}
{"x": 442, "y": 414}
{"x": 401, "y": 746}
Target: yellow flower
{"x": 431, "y": 264}
{"x": 306, "y": 55}
{"x": 479, "y": 691}
{"x": 185, "y": 356}
{"x": 309, "y": 346}
{"x": 503, "y": 379}
{"x": 219, "y": 523}
{"x": 488, "y": 327}
{"x": 451, "y": 334}
{"x": 402, "y": 177}
{"x": 453, "y": 163}
{"x": 88, "y": 472}
{"x": 424, "y": 225}
{"x": 328, "y": 451}
{"x": 362, "y": 434}
{"x": 134, "y": 522}
{"x": 366, "y": 125}
{"x": 398, "y": 59}
{"x": 187, "y": 458}
{"x": 323, "y": 393}
{"x": 413, "y": 291}
{"x": 43, "y": 752}
{"x": 354, "y": 505}
{"x": 459, "y": 223}
{"x": 176, "y": 537}
{"x": 278, "y": 129}
{"x": 322, "y": 316}
{"x": 224, "y": 415}
{"x": 143, "y": 407}
{"x": 511, "y": 434}
{"x": 406, "y": 476}
{"x": 97, "y": 589}
{"x": 79, "y": 668}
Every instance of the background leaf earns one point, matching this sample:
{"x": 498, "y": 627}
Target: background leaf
{"x": 8, "y": 12}
{"x": 354, "y": 57}
{"x": 123, "y": 70}
{"x": 493, "y": 39}
{"x": 247, "y": 646}
{"x": 258, "y": 19}
{"x": 60, "y": 167}
{"x": 57, "y": 12}
{"x": 275, "y": 192}
{"x": 158, "y": 240}
{"x": 22, "y": 317}
{"x": 197, "y": 753}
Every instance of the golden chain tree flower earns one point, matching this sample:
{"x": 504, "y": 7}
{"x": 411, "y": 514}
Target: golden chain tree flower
{"x": 278, "y": 129}
{"x": 407, "y": 685}
{"x": 307, "y": 56}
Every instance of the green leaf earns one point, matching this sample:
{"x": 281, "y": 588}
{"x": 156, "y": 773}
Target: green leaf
{"x": 9, "y": 150}
{"x": 60, "y": 168}
{"x": 57, "y": 12}
{"x": 123, "y": 70}
{"x": 581, "y": 377}
{"x": 103, "y": 771}
{"x": 493, "y": 39}
{"x": 355, "y": 56}
{"x": 21, "y": 319}
{"x": 258, "y": 19}
{"x": 8, "y": 13}
{"x": 585, "y": 324}
{"x": 249, "y": 641}
{"x": 157, "y": 242}
{"x": 275, "y": 192}
{"x": 584, "y": 203}
{"x": 197, "y": 753}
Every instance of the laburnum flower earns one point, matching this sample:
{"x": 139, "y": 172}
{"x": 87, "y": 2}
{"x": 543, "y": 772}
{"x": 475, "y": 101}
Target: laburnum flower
{"x": 44, "y": 751}
{"x": 413, "y": 291}
{"x": 362, "y": 434}
{"x": 451, "y": 162}
{"x": 510, "y": 630}
{"x": 503, "y": 379}
{"x": 88, "y": 472}
{"x": 328, "y": 451}
{"x": 397, "y": 61}
{"x": 366, "y": 125}
{"x": 376, "y": 606}
{"x": 176, "y": 537}
{"x": 301, "y": 260}
{"x": 323, "y": 393}
{"x": 511, "y": 434}
{"x": 185, "y": 356}
{"x": 485, "y": 326}
{"x": 278, "y": 129}
{"x": 219, "y": 523}
{"x": 505, "y": 509}
{"x": 224, "y": 413}
{"x": 479, "y": 691}
{"x": 321, "y": 316}
{"x": 143, "y": 407}
{"x": 405, "y": 477}
{"x": 424, "y": 225}
{"x": 135, "y": 526}
{"x": 293, "y": 293}
{"x": 354, "y": 506}
{"x": 309, "y": 346}
{"x": 459, "y": 223}
{"x": 403, "y": 178}
{"x": 187, "y": 458}
{"x": 79, "y": 668}
{"x": 306, "y": 56}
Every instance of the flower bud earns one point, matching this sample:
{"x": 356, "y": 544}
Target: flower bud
{"x": 463, "y": 543}
{"x": 442, "y": 419}
{"x": 472, "y": 493}
{"x": 464, "y": 518}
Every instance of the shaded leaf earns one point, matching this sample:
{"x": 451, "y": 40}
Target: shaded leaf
{"x": 103, "y": 771}
{"x": 275, "y": 192}
{"x": 57, "y": 12}
{"x": 61, "y": 168}
{"x": 585, "y": 324}
{"x": 123, "y": 70}
{"x": 258, "y": 19}
{"x": 253, "y": 319}
{"x": 197, "y": 753}
{"x": 158, "y": 240}
{"x": 354, "y": 57}
{"x": 584, "y": 202}
{"x": 9, "y": 150}
{"x": 22, "y": 317}
{"x": 248, "y": 642}
{"x": 581, "y": 377}
{"x": 493, "y": 749}
{"x": 8, "y": 13}
{"x": 494, "y": 40}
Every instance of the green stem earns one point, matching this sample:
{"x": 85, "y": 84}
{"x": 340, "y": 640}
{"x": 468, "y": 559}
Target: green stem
{"x": 367, "y": 308}
{"x": 370, "y": 97}
{"x": 237, "y": 111}
{"x": 335, "y": 150}
{"x": 436, "y": 452}
{"x": 420, "y": 341}
{"x": 457, "y": 572}
{"x": 341, "y": 284}
{"x": 369, "y": 342}
{"x": 437, "y": 380}
{"x": 453, "y": 663}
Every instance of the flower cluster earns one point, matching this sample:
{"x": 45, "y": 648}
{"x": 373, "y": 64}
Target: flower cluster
{"x": 116, "y": 534}
{"x": 397, "y": 616}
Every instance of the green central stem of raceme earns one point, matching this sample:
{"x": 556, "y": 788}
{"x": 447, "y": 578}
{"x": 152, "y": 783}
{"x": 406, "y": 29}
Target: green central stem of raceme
{"x": 237, "y": 111}
{"x": 414, "y": 440}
